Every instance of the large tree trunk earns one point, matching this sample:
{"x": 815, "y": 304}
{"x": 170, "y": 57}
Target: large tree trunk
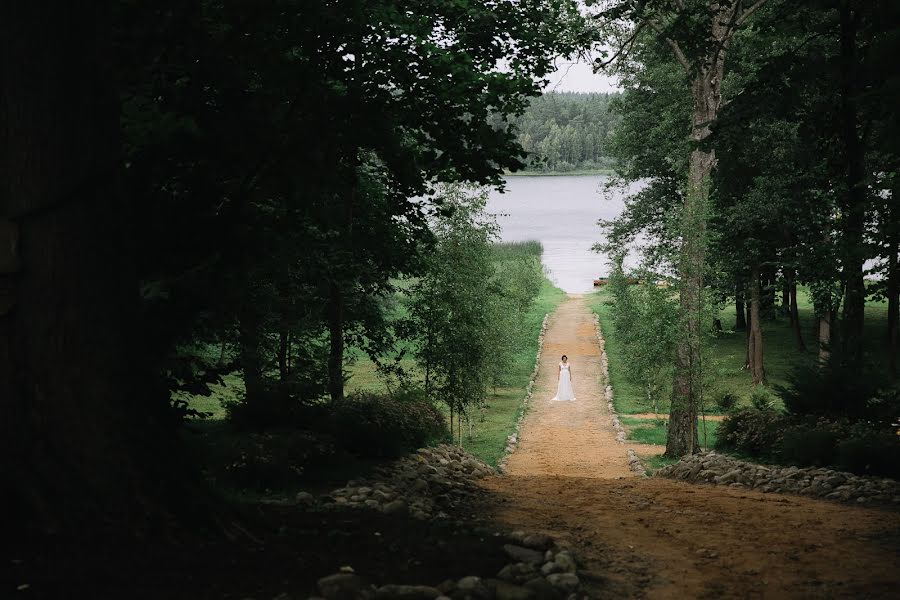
{"x": 854, "y": 206}
{"x": 740, "y": 321}
{"x": 791, "y": 279}
{"x": 681, "y": 435}
{"x": 893, "y": 276}
{"x": 251, "y": 359}
{"x": 825, "y": 322}
{"x": 755, "y": 347}
{"x": 336, "y": 351}
{"x": 81, "y": 417}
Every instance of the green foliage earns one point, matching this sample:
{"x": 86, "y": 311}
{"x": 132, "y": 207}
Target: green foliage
{"x": 726, "y": 401}
{"x": 753, "y": 432}
{"x": 645, "y": 318}
{"x": 762, "y": 399}
{"x": 465, "y": 311}
{"x": 385, "y": 425}
{"x": 564, "y": 132}
{"x": 276, "y": 459}
{"x": 809, "y": 446}
{"x": 840, "y": 388}
{"x": 870, "y": 451}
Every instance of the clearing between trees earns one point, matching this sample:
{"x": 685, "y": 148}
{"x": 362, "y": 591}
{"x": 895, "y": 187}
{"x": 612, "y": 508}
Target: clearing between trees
{"x": 660, "y": 538}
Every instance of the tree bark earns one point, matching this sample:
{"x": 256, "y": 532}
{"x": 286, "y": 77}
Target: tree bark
{"x": 84, "y": 422}
{"x": 854, "y": 206}
{"x": 336, "y": 350}
{"x": 740, "y": 320}
{"x": 791, "y": 278}
{"x": 755, "y": 349}
{"x": 681, "y": 436}
{"x": 251, "y": 360}
{"x": 825, "y": 322}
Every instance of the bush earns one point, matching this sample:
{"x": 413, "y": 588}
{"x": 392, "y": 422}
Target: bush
{"x": 809, "y": 446}
{"x": 727, "y": 401}
{"x": 751, "y": 431}
{"x": 870, "y": 450}
{"x": 840, "y": 388}
{"x": 762, "y": 399}
{"x": 274, "y": 459}
{"x": 386, "y": 425}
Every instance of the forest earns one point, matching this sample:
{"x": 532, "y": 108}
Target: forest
{"x": 567, "y": 131}
{"x": 259, "y": 337}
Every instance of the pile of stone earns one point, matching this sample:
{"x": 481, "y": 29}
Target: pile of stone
{"x": 427, "y": 484}
{"x": 720, "y": 469}
{"x": 634, "y": 462}
{"x": 537, "y": 571}
{"x": 513, "y": 439}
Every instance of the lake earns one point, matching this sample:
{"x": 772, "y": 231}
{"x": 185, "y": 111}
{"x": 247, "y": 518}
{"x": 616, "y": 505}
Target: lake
{"x": 562, "y": 213}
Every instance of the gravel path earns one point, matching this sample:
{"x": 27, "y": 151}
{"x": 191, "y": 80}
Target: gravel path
{"x": 659, "y": 538}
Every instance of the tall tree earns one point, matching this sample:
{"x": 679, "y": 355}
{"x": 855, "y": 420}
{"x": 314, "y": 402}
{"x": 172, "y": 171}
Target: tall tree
{"x": 698, "y": 35}
{"x": 84, "y": 424}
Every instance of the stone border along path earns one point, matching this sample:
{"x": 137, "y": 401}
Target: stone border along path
{"x": 513, "y": 439}
{"x": 662, "y": 538}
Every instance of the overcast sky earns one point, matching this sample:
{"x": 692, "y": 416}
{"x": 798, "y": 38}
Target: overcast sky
{"x": 577, "y": 77}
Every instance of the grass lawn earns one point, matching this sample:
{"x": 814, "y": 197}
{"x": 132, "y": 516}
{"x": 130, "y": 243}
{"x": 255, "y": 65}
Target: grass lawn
{"x": 493, "y": 423}
{"x": 727, "y": 352}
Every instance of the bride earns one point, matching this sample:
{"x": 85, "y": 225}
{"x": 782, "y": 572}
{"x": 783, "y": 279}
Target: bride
{"x": 565, "y": 391}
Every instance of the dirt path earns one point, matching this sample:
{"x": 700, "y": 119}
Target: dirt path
{"x": 658, "y": 538}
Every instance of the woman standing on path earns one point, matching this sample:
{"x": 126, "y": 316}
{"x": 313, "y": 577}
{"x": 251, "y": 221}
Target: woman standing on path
{"x": 564, "y": 391}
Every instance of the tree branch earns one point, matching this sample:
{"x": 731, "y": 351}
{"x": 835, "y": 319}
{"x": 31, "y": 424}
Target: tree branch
{"x": 628, "y": 43}
{"x": 676, "y": 49}
{"x": 749, "y": 11}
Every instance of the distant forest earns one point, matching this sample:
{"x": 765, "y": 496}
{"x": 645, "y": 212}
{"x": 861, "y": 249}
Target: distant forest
{"x": 567, "y": 131}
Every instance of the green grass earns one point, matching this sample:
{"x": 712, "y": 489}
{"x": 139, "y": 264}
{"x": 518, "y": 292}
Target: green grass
{"x": 628, "y": 398}
{"x": 504, "y": 405}
{"x": 727, "y": 352}
{"x": 515, "y": 250}
{"x": 654, "y": 463}
{"x": 653, "y": 431}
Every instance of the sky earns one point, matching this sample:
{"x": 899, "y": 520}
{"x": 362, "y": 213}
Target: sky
{"x": 577, "y": 77}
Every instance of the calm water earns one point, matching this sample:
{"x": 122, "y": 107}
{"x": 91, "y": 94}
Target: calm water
{"x": 562, "y": 212}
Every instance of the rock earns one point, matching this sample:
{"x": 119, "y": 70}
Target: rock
{"x": 304, "y": 498}
{"x": 509, "y": 591}
{"x": 406, "y": 592}
{"x": 345, "y": 586}
{"x": 551, "y": 567}
{"x": 542, "y": 589}
{"x": 537, "y": 541}
{"x": 567, "y": 582}
{"x": 446, "y": 586}
{"x": 566, "y": 562}
{"x": 526, "y": 555}
{"x": 470, "y": 588}
{"x": 394, "y": 507}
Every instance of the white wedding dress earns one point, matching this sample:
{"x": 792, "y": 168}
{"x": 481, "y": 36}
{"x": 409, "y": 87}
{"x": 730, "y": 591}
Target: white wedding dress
{"x": 564, "y": 391}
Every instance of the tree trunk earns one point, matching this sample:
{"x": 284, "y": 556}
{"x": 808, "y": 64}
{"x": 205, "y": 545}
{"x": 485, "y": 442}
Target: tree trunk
{"x": 825, "y": 338}
{"x": 336, "y": 351}
{"x": 786, "y": 297}
{"x": 251, "y": 360}
{"x": 893, "y": 277}
{"x": 755, "y": 348}
{"x": 854, "y": 207}
{"x": 83, "y": 419}
{"x": 794, "y": 313}
{"x": 740, "y": 320}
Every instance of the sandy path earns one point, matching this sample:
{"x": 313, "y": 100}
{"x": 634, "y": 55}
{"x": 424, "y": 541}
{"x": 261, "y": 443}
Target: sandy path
{"x": 658, "y": 538}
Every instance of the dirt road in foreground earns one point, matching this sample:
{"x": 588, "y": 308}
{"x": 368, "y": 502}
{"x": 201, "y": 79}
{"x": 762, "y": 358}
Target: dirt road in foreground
{"x": 658, "y": 538}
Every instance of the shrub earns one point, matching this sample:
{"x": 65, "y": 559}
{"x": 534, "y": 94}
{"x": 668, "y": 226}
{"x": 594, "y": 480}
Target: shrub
{"x": 751, "y": 431}
{"x": 808, "y": 446}
{"x": 727, "y": 401}
{"x": 386, "y": 425}
{"x": 762, "y": 399}
{"x": 870, "y": 449}
{"x": 274, "y": 459}
{"x": 840, "y": 388}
